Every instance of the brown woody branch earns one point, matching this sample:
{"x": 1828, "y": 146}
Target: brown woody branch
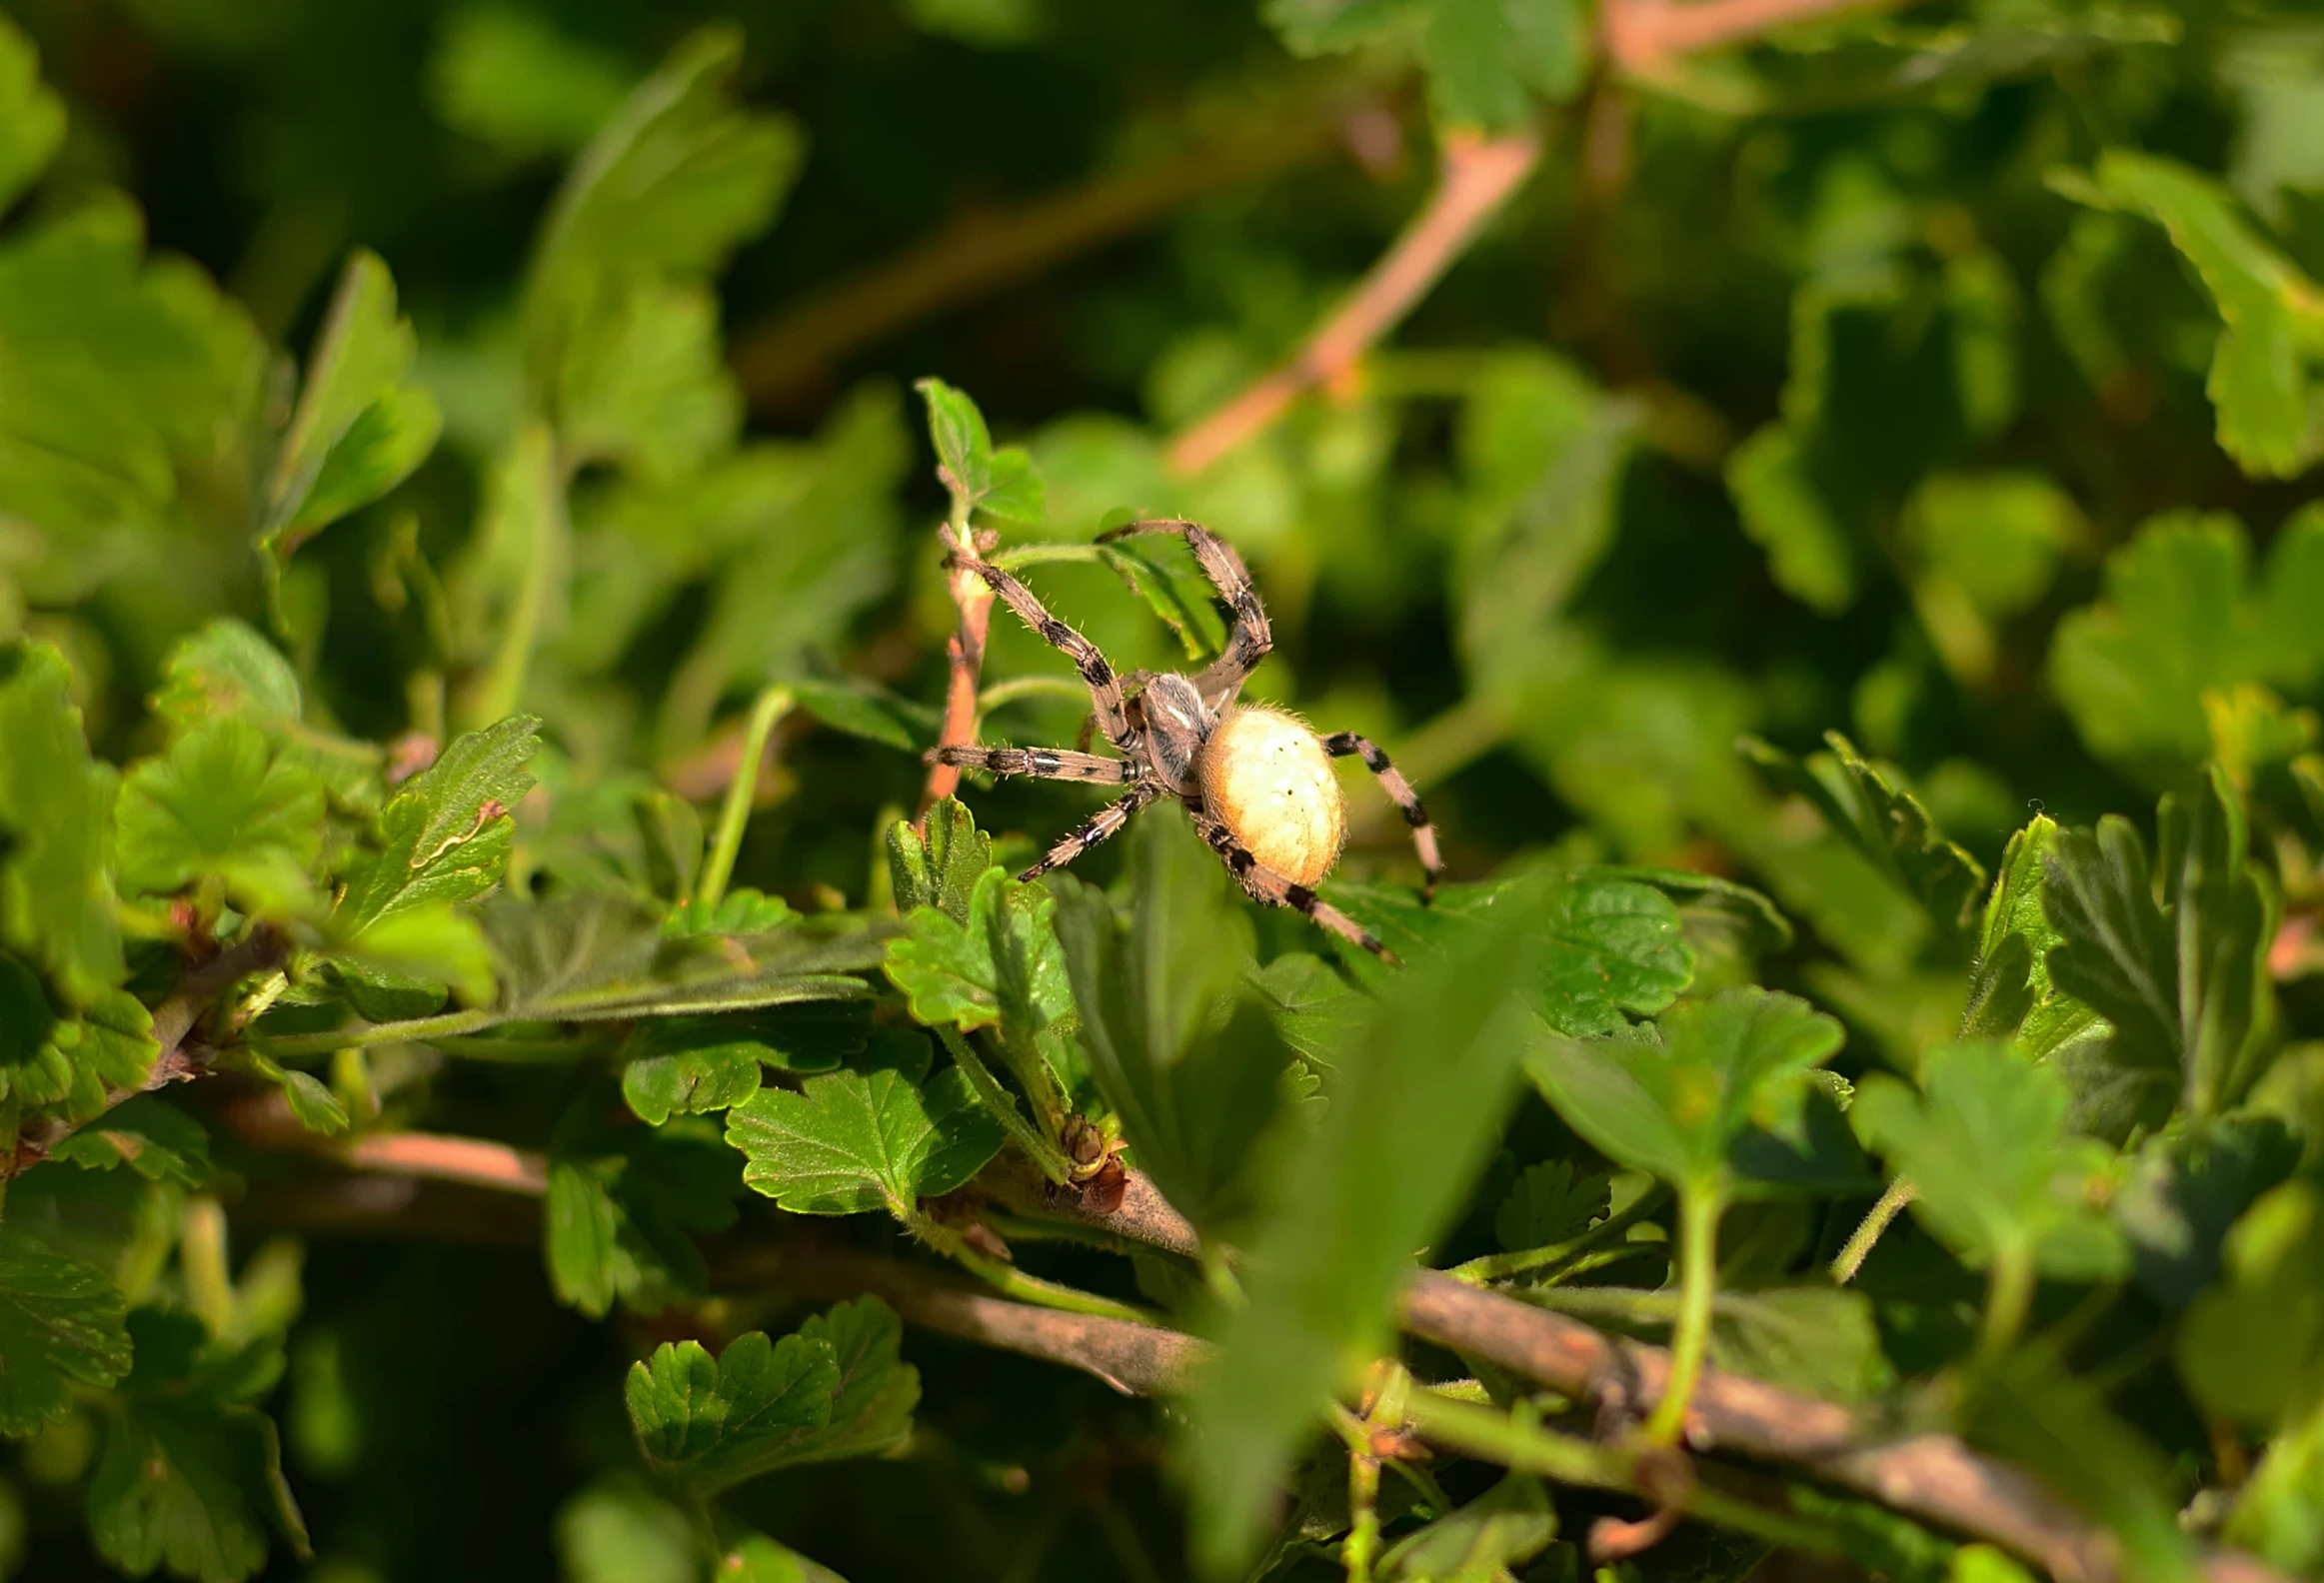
{"x": 1478, "y": 176}
{"x": 984, "y": 252}
{"x": 1933, "y": 1478}
{"x": 181, "y": 1057}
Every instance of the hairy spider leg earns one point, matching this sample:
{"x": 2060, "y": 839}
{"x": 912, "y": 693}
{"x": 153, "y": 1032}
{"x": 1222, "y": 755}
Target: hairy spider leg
{"x": 1097, "y": 674}
{"x": 1106, "y": 822}
{"x": 1250, "y": 637}
{"x": 1042, "y": 764}
{"x": 1269, "y": 888}
{"x": 1339, "y": 744}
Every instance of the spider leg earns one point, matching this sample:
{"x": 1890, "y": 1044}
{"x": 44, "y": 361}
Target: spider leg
{"x": 1391, "y": 781}
{"x": 1106, "y": 822}
{"x": 1043, "y": 764}
{"x": 1097, "y": 674}
{"x": 1269, "y": 888}
{"x": 1250, "y": 637}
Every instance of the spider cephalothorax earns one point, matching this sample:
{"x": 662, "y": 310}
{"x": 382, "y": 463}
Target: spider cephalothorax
{"x": 1257, "y": 782}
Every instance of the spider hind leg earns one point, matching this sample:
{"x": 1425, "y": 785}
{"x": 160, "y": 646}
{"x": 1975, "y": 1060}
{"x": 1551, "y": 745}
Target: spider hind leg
{"x": 1341, "y": 744}
{"x": 1269, "y": 888}
{"x": 1106, "y": 822}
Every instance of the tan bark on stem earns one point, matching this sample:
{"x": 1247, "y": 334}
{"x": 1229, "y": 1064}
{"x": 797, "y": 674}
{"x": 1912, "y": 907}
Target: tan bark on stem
{"x": 966, "y": 651}
{"x": 1640, "y": 35}
{"x": 1478, "y": 175}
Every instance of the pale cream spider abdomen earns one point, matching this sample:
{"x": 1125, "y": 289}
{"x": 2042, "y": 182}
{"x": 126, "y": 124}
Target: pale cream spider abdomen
{"x": 1265, "y": 777}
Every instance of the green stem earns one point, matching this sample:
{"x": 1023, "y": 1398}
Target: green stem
{"x": 1499, "y": 1266}
{"x": 1038, "y": 1148}
{"x": 773, "y": 705}
{"x": 1859, "y": 1244}
{"x": 1700, "y": 1209}
{"x": 416, "y": 1030}
{"x": 1031, "y": 1071}
{"x": 2008, "y": 1296}
{"x": 1015, "y": 687}
{"x": 1010, "y": 1282}
{"x": 1358, "y": 1550}
{"x": 1036, "y": 554}
{"x": 1493, "y": 1436}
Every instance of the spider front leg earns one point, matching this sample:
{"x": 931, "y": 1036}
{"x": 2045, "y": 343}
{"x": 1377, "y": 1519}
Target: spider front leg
{"x": 1097, "y": 674}
{"x": 1106, "y": 822}
{"x": 1250, "y": 638}
{"x": 1040, "y": 763}
{"x": 1340, "y": 744}
{"x": 1269, "y": 888}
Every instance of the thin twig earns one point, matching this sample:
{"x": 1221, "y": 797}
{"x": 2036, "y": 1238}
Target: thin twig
{"x": 180, "y": 1058}
{"x": 984, "y": 252}
{"x": 773, "y": 704}
{"x": 437, "y": 1157}
{"x": 1478, "y": 176}
{"x": 1858, "y": 1247}
{"x": 1641, "y": 35}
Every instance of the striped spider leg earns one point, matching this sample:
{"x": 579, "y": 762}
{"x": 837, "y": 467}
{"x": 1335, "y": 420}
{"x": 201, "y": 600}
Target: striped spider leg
{"x": 1269, "y": 888}
{"x": 1106, "y": 822}
{"x": 1341, "y": 744}
{"x": 1250, "y": 637}
{"x": 1097, "y": 674}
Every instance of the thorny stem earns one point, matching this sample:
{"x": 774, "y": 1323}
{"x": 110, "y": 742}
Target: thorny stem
{"x": 1037, "y": 1144}
{"x": 1698, "y": 1228}
{"x": 742, "y": 792}
{"x": 1478, "y": 176}
{"x": 1883, "y": 1214}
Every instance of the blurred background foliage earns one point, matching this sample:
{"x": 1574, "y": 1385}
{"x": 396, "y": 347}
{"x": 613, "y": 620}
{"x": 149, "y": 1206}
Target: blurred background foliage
{"x": 1945, "y": 376}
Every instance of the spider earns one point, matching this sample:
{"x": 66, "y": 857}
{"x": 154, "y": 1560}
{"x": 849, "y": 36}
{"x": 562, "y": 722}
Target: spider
{"x": 1257, "y": 782}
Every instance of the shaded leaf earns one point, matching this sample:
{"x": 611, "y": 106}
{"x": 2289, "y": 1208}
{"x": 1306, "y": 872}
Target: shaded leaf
{"x": 620, "y": 1204}
{"x": 1998, "y": 1175}
{"x": 1489, "y": 1537}
{"x": 1550, "y": 1203}
{"x": 938, "y": 863}
{"x": 59, "y": 1321}
{"x": 154, "y": 1138}
{"x": 56, "y": 812}
{"x": 32, "y": 119}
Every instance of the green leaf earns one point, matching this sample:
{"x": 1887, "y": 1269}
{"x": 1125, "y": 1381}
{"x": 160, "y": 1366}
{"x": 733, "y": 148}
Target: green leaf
{"x": 1489, "y": 1537}
{"x": 445, "y": 837}
{"x": 59, "y": 1321}
{"x": 963, "y": 447}
{"x": 1550, "y": 1203}
{"x": 619, "y": 1530}
{"x": 2252, "y": 1347}
{"x": 190, "y": 1475}
{"x": 1866, "y": 807}
{"x": 1162, "y": 572}
{"x": 1985, "y": 1142}
{"x": 853, "y": 1143}
{"x": 1808, "y": 551}
{"x": 56, "y": 815}
{"x": 1616, "y": 948}
{"x": 226, "y": 669}
{"x": 1412, "y": 1115}
{"x": 1012, "y": 491}
{"x": 680, "y": 1065}
{"x": 2263, "y": 379}
{"x": 1001, "y": 967}
{"x": 510, "y": 80}
{"x": 676, "y": 178}
{"x": 1813, "y": 1340}
{"x": 1487, "y": 59}
{"x": 620, "y": 1204}
{"x": 832, "y": 1389}
{"x": 1317, "y": 1012}
{"x": 2179, "y": 620}
{"x": 47, "y": 1058}
{"x": 2011, "y": 994}
{"x": 938, "y": 863}
{"x": 1984, "y": 548}
{"x": 222, "y": 803}
{"x": 32, "y": 119}
{"x": 1679, "y": 1107}
{"x": 1179, "y": 1050}
{"x": 152, "y": 1137}
{"x": 874, "y": 713}
{"x": 431, "y": 943}
{"x": 740, "y": 911}
{"x": 641, "y": 380}
{"x": 357, "y": 431}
